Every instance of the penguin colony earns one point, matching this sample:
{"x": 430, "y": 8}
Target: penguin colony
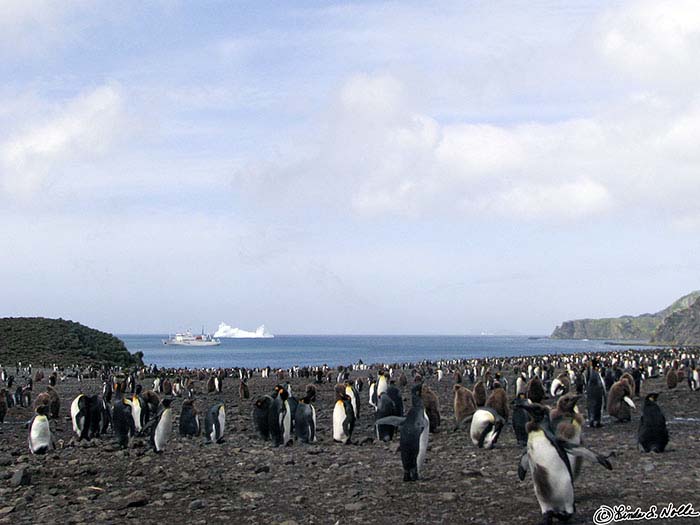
{"x": 542, "y": 406}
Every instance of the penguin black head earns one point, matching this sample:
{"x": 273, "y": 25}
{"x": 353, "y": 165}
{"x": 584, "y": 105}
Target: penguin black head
{"x": 417, "y": 390}
{"x": 42, "y": 410}
{"x": 652, "y": 397}
{"x": 537, "y": 412}
{"x": 567, "y": 402}
{"x": 166, "y": 402}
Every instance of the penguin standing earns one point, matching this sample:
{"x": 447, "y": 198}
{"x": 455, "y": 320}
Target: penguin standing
{"x": 672, "y": 379}
{"x": 535, "y": 390}
{"x": 39, "y": 439}
{"x": 215, "y": 423}
{"x": 432, "y": 407}
{"x": 464, "y": 404}
{"x": 163, "y": 427}
{"x": 382, "y": 383}
{"x": 620, "y": 402}
{"x": 122, "y": 421}
{"x": 652, "y": 434}
{"x": 415, "y": 433}
{"x": 243, "y": 390}
{"x": 498, "y": 400}
{"x": 79, "y": 413}
{"x": 595, "y": 395}
{"x": 54, "y": 402}
{"x": 305, "y": 420}
{"x": 189, "y": 419}
{"x": 386, "y": 408}
{"x": 546, "y": 458}
{"x": 261, "y": 418}
{"x": 520, "y": 418}
{"x": 354, "y": 396}
{"x": 286, "y": 417}
{"x": 3, "y": 404}
{"x": 567, "y": 425}
{"x": 373, "y": 398}
{"x": 343, "y": 417}
{"x": 486, "y": 427}
{"x": 480, "y": 393}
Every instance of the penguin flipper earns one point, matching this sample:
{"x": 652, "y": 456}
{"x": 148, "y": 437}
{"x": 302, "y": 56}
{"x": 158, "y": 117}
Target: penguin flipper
{"x": 395, "y": 421}
{"x": 463, "y": 422}
{"x": 523, "y": 466}
{"x": 585, "y": 453}
{"x": 483, "y": 435}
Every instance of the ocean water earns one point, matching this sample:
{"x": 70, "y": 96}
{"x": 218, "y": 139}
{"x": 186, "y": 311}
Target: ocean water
{"x": 288, "y": 350}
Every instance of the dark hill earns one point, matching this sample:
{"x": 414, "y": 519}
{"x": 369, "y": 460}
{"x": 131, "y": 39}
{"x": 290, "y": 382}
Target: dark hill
{"x": 38, "y": 341}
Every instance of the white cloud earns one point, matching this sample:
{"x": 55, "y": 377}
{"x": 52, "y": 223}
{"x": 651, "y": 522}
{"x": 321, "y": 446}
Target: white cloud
{"x": 31, "y": 26}
{"x": 378, "y": 155}
{"x": 83, "y": 129}
{"x": 657, "y": 42}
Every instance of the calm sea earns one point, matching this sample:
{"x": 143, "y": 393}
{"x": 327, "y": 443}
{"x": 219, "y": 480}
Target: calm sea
{"x": 285, "y": 351}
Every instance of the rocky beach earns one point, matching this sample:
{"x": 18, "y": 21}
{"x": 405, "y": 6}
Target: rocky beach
{"x": 247, "y": 480}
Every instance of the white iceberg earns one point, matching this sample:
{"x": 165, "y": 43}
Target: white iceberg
{"x": 227, "y": 331}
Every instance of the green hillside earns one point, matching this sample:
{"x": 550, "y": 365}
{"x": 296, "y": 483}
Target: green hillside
{"x": 42, "y": 341}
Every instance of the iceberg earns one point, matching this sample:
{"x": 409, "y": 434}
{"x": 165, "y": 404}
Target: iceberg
{"x": 227, "y": 331}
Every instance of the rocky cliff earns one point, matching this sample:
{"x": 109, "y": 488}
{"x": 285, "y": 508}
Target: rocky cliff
{"x": 681, "y": 327}
{"x": 627, "y": 327}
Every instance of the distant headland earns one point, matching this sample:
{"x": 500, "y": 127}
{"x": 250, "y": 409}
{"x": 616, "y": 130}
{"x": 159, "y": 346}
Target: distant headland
{"x": 678, "y": 323}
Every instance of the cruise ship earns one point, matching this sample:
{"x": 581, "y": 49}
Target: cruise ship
{"x": 188, "y": 339}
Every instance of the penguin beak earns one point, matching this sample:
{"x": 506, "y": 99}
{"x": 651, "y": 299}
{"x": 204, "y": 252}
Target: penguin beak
{"x": 629, "y": 402}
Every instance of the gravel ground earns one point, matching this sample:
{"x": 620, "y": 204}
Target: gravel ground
{"x": 246, "y": 480}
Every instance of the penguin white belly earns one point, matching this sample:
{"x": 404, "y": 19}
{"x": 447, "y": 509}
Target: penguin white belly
{"x": 372, "y": 389}
{"x": 163, "y": 430}
{"x": 287, "y": 423}
{"x": 312, "y": 436}
{"x": 423, "y": 443}
{"x": 520, "y": 386}
{"x": 556, "y": 384}
{"x": 39, "y": 434}
{"x": 480, "y": 420}
{"x": 382, "y": 386}
{"x": 74, "y": 409}
{"x": 558, "y": 495}
{"x": 136, "y": 413}
{"x": 222, "y": 423}
{"x": 338, "y": 420}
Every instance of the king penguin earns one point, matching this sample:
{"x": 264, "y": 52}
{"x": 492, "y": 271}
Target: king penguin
{"x": 486, "y": 427}
{"x": 163, "y": 427}
{"x": 595, "y": 394}
{"x": 343, "y": 416}
{"x": 189, "y": 419}
{"x": 305, "y": 419}
{"x": 79, "y": 414}
{"x": 547, "y": 459}
{"x": 40, "y": 432}
{"x": 215, "y": 423}
{"x": 652, "y": 434}
{"x": 415, "y": 433}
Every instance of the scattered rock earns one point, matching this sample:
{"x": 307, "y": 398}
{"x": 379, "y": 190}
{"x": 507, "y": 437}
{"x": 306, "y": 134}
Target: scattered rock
{"x": 355, "y": 507}
{"x": 21, "y": 477}
{"x": 448, "y": 496}
{"x": 135, "y": 499}
{"x": 262, "y": 469}
{"x": 197, "y": 504}
{"x": 248, "y": 495}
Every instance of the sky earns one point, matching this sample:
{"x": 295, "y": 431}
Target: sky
{"x": 349, "y": 167}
